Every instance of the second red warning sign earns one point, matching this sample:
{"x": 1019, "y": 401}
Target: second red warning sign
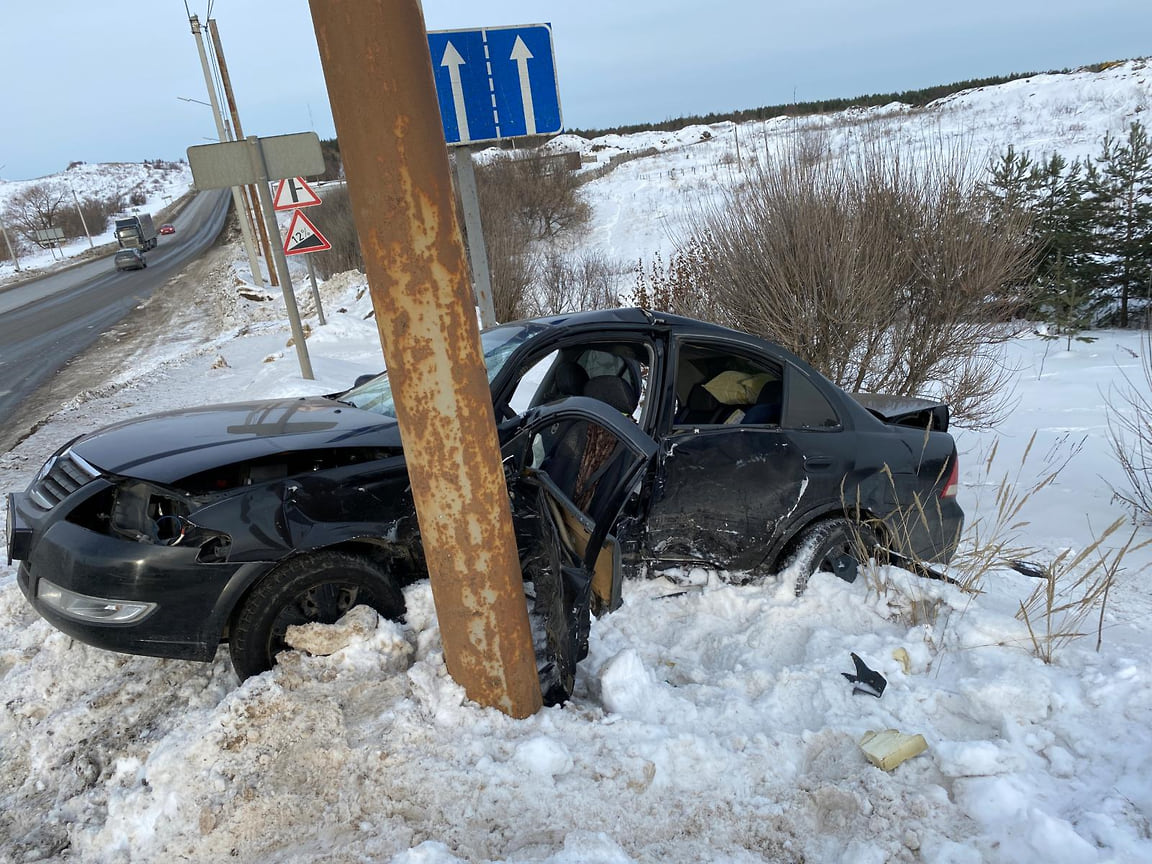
{"x": 303, "y": 237}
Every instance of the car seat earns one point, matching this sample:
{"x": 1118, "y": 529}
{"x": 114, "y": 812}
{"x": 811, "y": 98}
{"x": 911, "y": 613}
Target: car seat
{"x": 769, "y": 405}
{"x": 615, "y": 391}
{"x": 701, "y": 407}
{"x": 568, "y": 379}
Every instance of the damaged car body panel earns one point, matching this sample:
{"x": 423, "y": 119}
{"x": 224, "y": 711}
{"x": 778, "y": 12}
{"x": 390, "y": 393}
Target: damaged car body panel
{"x": 565, "y": 501}
{"x": 632, "y": 439}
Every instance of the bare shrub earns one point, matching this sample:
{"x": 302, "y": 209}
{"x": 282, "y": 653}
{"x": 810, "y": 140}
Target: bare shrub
{"x": 512, "y": 262}
{"x": 684, "y": 286}
{"x": 13, "y": 245}
{"x": 885, "y": 271}
{"x": 542, "y": 191}
{"x": 96, "y": 212}
{"x": 340, "y": 229}
{"x": 590, "y": 281}
{"x": 1129, "y": 415}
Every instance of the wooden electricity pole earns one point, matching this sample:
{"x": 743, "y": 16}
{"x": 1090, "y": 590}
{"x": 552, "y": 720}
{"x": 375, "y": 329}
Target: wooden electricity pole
{"x": 250, "y": 196}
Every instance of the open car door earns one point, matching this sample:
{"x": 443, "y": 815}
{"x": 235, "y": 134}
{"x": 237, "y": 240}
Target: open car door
{"x": 571, "y": 467}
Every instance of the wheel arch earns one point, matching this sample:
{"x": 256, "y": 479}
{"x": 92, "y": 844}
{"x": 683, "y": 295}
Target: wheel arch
{"x": 786, "y": 546}
{"x": 378, "y": 550}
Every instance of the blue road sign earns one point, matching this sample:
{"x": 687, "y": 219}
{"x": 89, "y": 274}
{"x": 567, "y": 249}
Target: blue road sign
{"x": 499, "y": 82}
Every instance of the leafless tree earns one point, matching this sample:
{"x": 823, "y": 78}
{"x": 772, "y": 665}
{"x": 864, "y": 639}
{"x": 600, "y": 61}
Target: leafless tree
{"x": 37, "y": 208}
{"x": 570, "y": 284}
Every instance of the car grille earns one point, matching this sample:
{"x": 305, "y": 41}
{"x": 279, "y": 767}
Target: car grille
{"x": 68, "y": 473}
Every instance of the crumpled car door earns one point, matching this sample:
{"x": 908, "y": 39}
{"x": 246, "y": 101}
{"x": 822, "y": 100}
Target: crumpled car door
{"x": 571, "y": 467}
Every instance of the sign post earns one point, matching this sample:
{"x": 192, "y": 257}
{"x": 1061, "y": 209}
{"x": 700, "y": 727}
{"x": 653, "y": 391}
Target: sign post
{"x": 303, "y": 237}
{"x": 259, "y": 161}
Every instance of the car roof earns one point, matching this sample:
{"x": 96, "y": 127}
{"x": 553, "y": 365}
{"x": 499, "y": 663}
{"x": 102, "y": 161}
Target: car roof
{"x": 635, "y": 316}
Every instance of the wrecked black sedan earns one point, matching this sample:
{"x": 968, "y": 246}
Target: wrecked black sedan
{"x": 632, "y": 441}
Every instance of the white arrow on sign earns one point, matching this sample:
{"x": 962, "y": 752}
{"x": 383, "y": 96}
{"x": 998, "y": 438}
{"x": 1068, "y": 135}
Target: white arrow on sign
{"x": 522, "y": 55}
{"x": 454, "y": 61}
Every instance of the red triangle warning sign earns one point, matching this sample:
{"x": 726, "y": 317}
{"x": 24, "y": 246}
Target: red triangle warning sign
{"x": 293, "y": 192}
{"x": 303, "y": 237}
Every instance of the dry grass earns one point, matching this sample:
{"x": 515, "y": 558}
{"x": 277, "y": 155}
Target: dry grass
{"x": 1072, "y": 590}
{"x": 993, "y": 541}
{"x": 1130, "y": 433}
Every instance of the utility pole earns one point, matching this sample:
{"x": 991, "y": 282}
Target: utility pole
{"x": 400, "y": 185}
{"x": 80, "y": 213}
{"x": 250, "y": 191}
{"x": 237, "y": 199}
{"x": 11, "y": 248}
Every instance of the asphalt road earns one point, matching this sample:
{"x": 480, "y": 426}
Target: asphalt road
{"x": 46, "y": 322}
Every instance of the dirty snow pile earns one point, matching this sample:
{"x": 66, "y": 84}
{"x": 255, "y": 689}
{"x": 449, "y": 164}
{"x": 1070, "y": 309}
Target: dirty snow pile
{"x": 710, "y": 722}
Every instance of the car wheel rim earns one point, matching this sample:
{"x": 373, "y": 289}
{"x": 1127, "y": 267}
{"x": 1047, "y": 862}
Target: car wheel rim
{"x": 325, "y": 604}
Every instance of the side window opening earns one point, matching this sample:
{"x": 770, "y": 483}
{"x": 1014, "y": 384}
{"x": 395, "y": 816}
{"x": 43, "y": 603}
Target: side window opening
{"x": 615, "y": 373}
{"x": 715, "y": 387}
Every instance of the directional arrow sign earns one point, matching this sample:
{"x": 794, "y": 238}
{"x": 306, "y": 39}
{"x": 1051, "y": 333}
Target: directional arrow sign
{"x": 293, "y": 192}
{"x": 499, "y": 82}
{"x": 303, "y": 237}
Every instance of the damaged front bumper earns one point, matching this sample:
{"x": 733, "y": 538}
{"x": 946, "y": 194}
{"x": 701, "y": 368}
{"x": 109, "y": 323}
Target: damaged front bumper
{"x": 118, "y": 594}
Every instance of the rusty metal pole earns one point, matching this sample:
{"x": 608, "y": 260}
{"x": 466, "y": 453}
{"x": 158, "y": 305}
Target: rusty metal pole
{"x": 251, "y": 199}
{"x": 380, "y": 84}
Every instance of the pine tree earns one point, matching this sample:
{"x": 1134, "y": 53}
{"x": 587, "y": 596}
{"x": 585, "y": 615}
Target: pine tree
{"x": 1122, "y": 186}
{"x": 1012, "y": 180}
{"x": 1064, "y": 220}
{"x": 1067, "y": 303}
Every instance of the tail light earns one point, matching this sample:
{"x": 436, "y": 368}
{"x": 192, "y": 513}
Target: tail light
{"x": 953, "y": 483}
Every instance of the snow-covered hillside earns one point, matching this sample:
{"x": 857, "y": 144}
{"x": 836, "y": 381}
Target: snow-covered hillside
{"x": 160, "y": 183}
{"x": 710, "y": 721}
{"x": 642, "y": 206}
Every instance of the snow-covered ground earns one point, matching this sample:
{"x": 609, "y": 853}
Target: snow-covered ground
{"x": 710, "y": 721}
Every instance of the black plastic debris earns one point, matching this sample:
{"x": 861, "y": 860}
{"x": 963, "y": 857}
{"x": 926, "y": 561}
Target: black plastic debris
{"x": 867, "y": 681}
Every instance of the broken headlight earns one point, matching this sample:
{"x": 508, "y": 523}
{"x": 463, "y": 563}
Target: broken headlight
{"x": 152, "y": 514}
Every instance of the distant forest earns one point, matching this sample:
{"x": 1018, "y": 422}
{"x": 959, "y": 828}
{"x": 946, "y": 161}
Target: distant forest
{"x": 915, "y": 98}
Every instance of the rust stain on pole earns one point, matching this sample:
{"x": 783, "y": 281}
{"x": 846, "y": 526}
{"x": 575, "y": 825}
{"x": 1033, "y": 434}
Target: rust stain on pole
{"x": 379, "y": 75}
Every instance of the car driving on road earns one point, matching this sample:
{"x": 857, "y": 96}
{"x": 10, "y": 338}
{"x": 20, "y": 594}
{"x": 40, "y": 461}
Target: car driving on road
{"x": 167, "y": 229}
{"x": 130, "y": 259}
{"x": 632, "y": 441}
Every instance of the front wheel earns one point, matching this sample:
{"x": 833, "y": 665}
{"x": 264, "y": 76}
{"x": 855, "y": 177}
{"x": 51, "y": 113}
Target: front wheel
{"x": 322, "y": 588}
{"x": 835, "y": 546}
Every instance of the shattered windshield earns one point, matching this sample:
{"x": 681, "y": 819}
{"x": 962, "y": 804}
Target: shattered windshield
{"x": 497, "y": 345}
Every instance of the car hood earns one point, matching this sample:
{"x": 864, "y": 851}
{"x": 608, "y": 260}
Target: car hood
{"x": 163, "y": 448}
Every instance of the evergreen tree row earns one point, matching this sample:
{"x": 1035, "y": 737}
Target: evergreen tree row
{"x": 1091, "y": 229}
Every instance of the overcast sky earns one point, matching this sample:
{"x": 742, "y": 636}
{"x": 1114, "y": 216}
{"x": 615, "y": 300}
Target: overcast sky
{"x": 103, "y": 81}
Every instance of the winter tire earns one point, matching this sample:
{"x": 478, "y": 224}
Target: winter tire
{"x": 320, "y": 587}
{"x": 835, "y": 546}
